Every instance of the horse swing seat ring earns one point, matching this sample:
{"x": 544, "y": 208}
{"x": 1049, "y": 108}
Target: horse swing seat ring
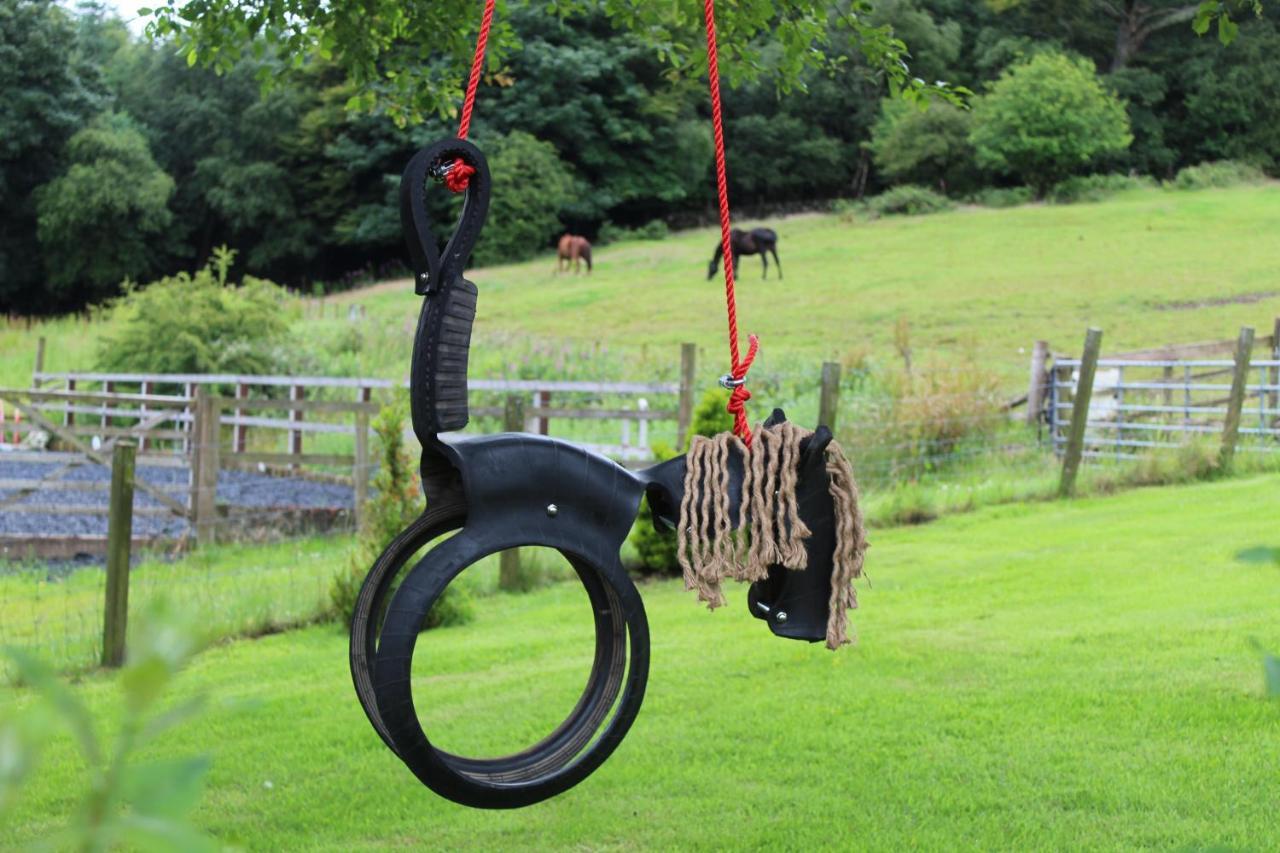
{"x": 496, "y": 492}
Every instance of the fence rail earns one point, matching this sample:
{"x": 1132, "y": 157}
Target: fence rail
{"x": 1119, "y": 406}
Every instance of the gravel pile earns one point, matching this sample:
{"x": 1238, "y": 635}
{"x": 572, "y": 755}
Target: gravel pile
{"x": 239, "y": 490}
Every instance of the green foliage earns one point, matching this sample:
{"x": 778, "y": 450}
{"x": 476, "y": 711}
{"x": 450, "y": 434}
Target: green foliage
{"x": 925, "y": 146}
{"x": 710, "y": 416}
{"x": 127, "y": 800}
{"x": 655, "y": 229}
{"x": 395, "y": 502}
{"x": 1088, "y": 188}
{"x": 908, "y": 200}
{"x": 999, "y": 197}
{"x": 530, "y": 186}
{"x": 1047, "y": 119}
{"x": 99, "y": 220}
{"x": 48, "y": 91}
{"x": 412, "y": 61}
{"x": 1216, "y": 175}
{"x": 198, "y": 324}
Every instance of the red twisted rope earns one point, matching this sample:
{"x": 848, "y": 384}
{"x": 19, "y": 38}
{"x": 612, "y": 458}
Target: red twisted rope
{"x": 460, "y": 175}
{"x": 739, "y": 366}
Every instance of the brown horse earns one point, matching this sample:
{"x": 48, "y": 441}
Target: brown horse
{"x": 757, "y": 241}
{"x": 572, "y": 251}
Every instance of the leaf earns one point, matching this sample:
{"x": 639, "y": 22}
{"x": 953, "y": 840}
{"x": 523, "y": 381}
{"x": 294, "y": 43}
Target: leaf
{"x": 144, "y": 11}
{"x": 166, "y": 789}
{"x": 1227, "y": 30}
{"x": 192, "y": 56}
{"x": 173, "y": 717}
{"x": 65, "y": 702}
{"x": 159, "y": 834}
{"x": 144, "y": 681}
{"x": 1259, "y": 554}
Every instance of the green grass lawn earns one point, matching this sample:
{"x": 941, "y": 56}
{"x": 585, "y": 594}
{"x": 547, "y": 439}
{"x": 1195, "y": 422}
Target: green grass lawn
{"x": 1049, "y": 676}
{"x": 1148, "y": 266}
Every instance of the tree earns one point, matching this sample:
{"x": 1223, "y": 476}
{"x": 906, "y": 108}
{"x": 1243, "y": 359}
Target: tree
{"x": 98, "y": 220}
{"x": 530, "y": 186}
{"x": 929, "y": 146}
{"x": 46, "y": 94}
{"x": 1047, "y": 119}
{"x": 412, "y": 57}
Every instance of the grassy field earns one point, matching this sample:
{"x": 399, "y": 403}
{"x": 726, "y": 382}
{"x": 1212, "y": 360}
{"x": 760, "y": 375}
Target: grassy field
{"x": 1061, "y": 675}
{"x": 1148, "y": 266}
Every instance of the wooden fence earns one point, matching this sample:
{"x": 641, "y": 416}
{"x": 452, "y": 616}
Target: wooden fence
{"x": 1120, "y": 407}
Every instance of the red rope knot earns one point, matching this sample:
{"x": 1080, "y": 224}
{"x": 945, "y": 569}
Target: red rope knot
{"x": 459, "y": 175}
{"x": 736, "y": 382}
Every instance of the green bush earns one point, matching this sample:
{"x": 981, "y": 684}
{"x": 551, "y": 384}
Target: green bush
{"x": 655, "y": 229}
{"x": 929, "y": 146}
{"x": 1223, "y": 173}
{"x": 1094, "y": 188}
{"x": 198, "y": 324}
{"x": 531, "y": 184}
{"x": 1047, "y": 119}
{"x": 655, "y": 550}
{"x": 1000, "y": 197}
{"x": 396, "y": 501}
{"x": 908, "y": 200}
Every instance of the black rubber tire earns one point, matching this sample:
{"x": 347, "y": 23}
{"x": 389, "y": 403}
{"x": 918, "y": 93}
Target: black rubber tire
{"x": 592, "y": 730}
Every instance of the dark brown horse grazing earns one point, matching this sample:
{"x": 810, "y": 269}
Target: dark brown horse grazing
{"x": 757, "y": 241}
{"x": 572, "y": 251}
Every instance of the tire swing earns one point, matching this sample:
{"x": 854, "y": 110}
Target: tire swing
{"x": 778, "y": 509}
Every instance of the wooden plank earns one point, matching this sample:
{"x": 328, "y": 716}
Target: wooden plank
{"x": 360, "y": 468}
{"x": 115, "y": 618}
{"x": 330, "y": 406}
{"x": 77, "y": 509}
{"x": 238, "y": 434}
{"x": 688, "y": 392}
{"x": 126, "y": 432}
{"x": 335, "y": 459}
{"x": 39, "y": 365}
{"x": 207, "y": 440}
{"x": 296, "y": 394}
{"x": 71, "y": 485}
{"x": 1274, "y": 379}
{"x": 1239, "y": 380}
{"x": 829, "y": 395}
{"x": 1080, "y": 412}
{"x": 158, "y": 401}
{"x": 1038, "y": 382}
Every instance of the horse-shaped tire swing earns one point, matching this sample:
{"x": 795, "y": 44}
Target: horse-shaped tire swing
{"x": 782, "y": 514}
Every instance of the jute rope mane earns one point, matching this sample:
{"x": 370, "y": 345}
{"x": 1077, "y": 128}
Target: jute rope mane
{"x": 771, "y": 532}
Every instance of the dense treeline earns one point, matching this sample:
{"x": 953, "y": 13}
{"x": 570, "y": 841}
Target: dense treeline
{"x": 118, "y": 160}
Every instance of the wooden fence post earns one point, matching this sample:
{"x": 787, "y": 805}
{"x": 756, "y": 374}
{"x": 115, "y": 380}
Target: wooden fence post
{"x": 688, "y": 376}
{"x": 1035, "y": 391}
{"x": 360, "y": 469}
{"x": 829, "y": 397}
{"x": 509, "y": 560}
{"x": 239, "y": 431}
{"x": 1080, "y": 412}
{"x": 115, "y": 618}
{"x": 541, "y": 423}
{"x": 1274, "y": 380}
{"x": 296, "y": 392}
{"x": 1239, "y": 382}
{"x": 40, "y": 361}
{"x": 204, "y": 465}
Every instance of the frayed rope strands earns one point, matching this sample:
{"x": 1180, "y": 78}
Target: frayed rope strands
{"x": 771, "y": 532}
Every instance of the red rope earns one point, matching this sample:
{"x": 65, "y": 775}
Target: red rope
{"x": 460, "y": 175}
{"x": 739, "y": 366}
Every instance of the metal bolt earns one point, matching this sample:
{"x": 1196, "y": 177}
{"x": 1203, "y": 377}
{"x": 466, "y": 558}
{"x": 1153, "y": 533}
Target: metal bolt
{"x": 423, "y": 277}
{"x": 552, "y": 510}
{"x": 781, "y": 617}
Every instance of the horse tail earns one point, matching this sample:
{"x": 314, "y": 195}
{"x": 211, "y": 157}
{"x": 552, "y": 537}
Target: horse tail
{"x": 586, "y": 254}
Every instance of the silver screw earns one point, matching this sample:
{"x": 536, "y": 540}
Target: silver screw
{"x": 423, "y": 277}
{"x": 552, "y": 510}
{"x": 781, "y": 617}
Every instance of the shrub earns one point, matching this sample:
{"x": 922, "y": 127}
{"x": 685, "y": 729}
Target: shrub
{"x": 655, "y": 229}
{"x": 929, "y": 146}
{"x": 1000, "y": 197}
{"x": 530, "y": 186}
{"x": 395, "y": 502}
{"x": 1046, "y": 119}
{"x": 198, "y": 324}
{"x": 908, "y": 200}
{"x": 1223, "y": 173}
{"x": 1094, "y": 187}
{"x": 656, "y": 550}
